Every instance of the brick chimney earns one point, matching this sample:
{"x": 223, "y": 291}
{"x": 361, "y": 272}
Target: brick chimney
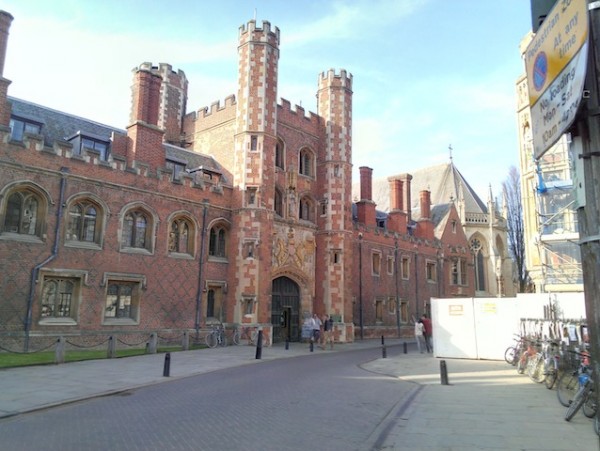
{"x": 5, "y": 107}
{"x": 397, "y": 215}
{"x": 145, "y": 138}
{"x": 425, "y": 224}
{"x": 425, "y": 200}
{"x": 365, "y": 206}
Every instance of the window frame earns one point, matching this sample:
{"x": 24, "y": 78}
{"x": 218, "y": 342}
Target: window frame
{"x": 181, "y": 219}
{"x": 25, "y": 124}
{"x": 306, "y": 209}
{"x": 431, "y": 271}
{"x": 306, "y": 162}
{"x": 376, "y": 263}
{"x": 218, "y": 239}
{"x": 84, "y": 202}
{"x": 78, "y": 278}
{"x": 25, "y": 190}
{"x": 137, "y": 211}
{"x": 139, "y": 282}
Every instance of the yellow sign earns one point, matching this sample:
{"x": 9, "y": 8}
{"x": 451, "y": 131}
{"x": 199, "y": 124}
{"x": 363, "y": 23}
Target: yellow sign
{"x": 455, "y": 310}
{"x": 556, "y": 65}
{"x": 558, "y": 40}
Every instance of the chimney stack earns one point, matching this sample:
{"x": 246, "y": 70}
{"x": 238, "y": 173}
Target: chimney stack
{"x": 365, "y": 206}
{"x": 145, "y": 138}
{"x": 397, "y": 215}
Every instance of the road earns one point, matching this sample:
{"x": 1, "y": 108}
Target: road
{"x": 320, "y": 401}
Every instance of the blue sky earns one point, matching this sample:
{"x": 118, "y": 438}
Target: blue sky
{"x": 426, "y": 73}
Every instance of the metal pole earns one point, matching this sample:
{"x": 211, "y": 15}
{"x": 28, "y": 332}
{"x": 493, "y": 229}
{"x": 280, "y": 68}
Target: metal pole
{"x": 588, "y": 127}
{"x": 360, "y": 301}
{"x": 397, "y": 288}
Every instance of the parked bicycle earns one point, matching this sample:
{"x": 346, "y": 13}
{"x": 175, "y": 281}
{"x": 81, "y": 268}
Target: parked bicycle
{"x": 552, "y": 364}
{"x": 250, "y": 334}
{"x": 568, "y": 382}
{"x": 216, "y": 337}
{"x": 584, "y": 398}
{"x": 513, "y": 352}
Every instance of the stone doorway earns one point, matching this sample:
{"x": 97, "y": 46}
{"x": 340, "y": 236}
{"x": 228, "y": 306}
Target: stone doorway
{"x": 285, "y": 310}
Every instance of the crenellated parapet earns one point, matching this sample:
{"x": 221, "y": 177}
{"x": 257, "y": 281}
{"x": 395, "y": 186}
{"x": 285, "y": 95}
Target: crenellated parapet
{"x": 251, "y": 32}
{"x": 33, "y": 152}
{"x": 332, "y": 79}
{"x": 216, "y": 108}
{"x": 288, "y": 113}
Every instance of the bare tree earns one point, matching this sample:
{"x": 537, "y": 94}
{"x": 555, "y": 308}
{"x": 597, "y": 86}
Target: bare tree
{"x": 511, "y": 189}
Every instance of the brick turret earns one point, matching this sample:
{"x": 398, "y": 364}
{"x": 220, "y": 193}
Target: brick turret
{"x": 334, "y": 103}
{"x": 254, "y": 161}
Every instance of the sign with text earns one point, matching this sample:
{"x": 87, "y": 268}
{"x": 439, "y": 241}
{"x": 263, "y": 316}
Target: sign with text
{"x": 556, "y": 63}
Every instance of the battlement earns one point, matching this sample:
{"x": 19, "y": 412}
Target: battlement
{"x": 216, "y": 107}
{"x": 251, "y": 32}
{"x": 33, "y": 152}
{"x": 285, "y": 109}
{"x": 330, "y": 78}
{"x": 165, "y": 71}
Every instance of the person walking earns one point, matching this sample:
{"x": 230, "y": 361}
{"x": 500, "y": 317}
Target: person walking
{"x": 327, "y": 332}
{"x": 419, "y": 335}
{"x": 316, "y": 325}
{"x": 427, "y": 332}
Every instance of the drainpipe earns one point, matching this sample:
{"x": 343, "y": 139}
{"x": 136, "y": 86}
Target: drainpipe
{"x": 200, "y": 268}
{"x": 36, "y": 269}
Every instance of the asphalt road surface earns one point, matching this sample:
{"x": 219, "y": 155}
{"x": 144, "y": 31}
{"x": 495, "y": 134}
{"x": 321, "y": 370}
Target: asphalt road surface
{"x": 322, "y": 401}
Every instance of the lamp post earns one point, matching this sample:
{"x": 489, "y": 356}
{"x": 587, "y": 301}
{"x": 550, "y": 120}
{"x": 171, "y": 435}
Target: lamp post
{"x": 360, "y": 300}
{"x": 397, "y": 289}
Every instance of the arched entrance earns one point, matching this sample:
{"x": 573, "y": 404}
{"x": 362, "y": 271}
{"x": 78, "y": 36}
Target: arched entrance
{"x": 285, "y": 310}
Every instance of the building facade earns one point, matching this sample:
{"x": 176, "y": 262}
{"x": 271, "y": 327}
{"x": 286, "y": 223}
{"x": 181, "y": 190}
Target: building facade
{"x": 483, "y": 224}
{"x": 551, "y": 229}
{"x": 238, "y": 214}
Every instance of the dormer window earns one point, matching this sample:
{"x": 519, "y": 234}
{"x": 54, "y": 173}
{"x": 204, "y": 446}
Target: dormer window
{"x": 97, "y": 144}
{"x": 177, "y": 167}
{"x": 19, "y": 126}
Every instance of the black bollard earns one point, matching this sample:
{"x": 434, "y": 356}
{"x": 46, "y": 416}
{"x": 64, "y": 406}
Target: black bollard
{"x": 259, "y": 345}
{"x": 167, "y": 366}
{"x": 443, "y": 372}
{"x": 287, "y": 344}
{"x": 383, "y": 352}
{"x": 312, "y": 346}
{"x": 405, "y": 348}
{"x": 382, "y": 341}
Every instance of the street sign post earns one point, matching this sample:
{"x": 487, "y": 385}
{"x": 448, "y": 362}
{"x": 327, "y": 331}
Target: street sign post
{"x": 556, "y": 62}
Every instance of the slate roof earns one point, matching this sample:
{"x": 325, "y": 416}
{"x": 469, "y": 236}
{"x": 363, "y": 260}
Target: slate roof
{"x": 60, "y": 126}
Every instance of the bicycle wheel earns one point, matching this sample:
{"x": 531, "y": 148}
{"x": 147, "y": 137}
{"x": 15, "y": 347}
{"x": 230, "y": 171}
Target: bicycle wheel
{"x": 577, "y": 402}
{"x": 590, "y": 405}
{"x": 235, "y": 338}
{"x": 510, "y": 355}
{"x": 551, "y": 378}
{"x": 535, "y": 370}
{"x": 211, "y": 340}
{"x": 223, "y": 341}
{"x": 566, "y": 387}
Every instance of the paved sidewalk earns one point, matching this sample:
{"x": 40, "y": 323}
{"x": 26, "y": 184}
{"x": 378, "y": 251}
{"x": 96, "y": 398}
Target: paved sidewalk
{"x": 486, "y": 404}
